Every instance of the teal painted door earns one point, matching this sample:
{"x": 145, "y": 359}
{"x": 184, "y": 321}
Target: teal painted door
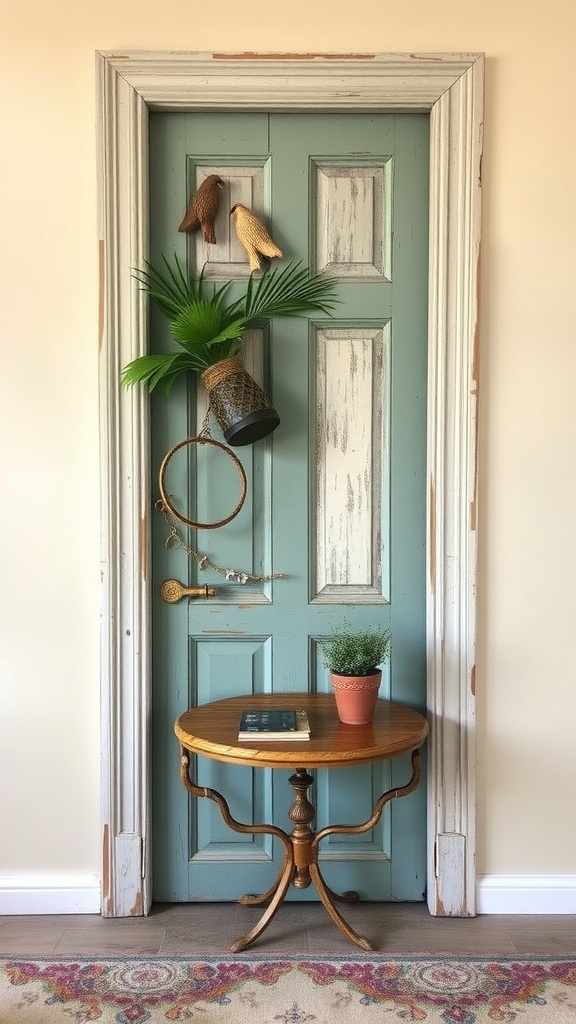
{"x": 336, "y": 495}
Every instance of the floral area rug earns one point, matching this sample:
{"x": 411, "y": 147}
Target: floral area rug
{"x": 287, "y": 990}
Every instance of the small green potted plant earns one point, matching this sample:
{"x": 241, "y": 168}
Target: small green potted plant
{"x": 208, "y": 331}
{"x": 354, "y": 658}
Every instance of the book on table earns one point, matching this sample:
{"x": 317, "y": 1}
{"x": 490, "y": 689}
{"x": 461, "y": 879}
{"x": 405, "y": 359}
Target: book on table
{"x": 274, "y": 724}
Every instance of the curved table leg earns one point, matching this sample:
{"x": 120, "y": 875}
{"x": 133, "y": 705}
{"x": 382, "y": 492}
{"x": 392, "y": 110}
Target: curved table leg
{"x": 391, "y": 794}
{"x": 326, "y": 895}
{"x": 276, "y": 893}
{"x": 341, "y": 897}
{"x": 281, "y": 890}
{"x": 257, "y": 900}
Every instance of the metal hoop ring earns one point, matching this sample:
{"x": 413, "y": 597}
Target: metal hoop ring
{"x": 167, "y": 504}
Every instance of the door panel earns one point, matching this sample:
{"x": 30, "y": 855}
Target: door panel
{"x": 351, "y": 373}
{"x": 335, "y": 496}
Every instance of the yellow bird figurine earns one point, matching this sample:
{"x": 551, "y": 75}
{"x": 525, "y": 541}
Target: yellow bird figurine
{"x": 253, "y": 236}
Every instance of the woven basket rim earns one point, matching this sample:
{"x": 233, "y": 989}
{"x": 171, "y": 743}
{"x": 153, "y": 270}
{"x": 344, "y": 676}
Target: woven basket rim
{"x": 212, "y": 375}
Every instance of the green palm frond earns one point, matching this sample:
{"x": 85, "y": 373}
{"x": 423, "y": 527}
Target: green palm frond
{"x": 208, "y": 328}
{"x": 159, "y": 369}
{"x": 290, "y": 291}
{"x": 170, "y": 290}
{"x": 198, "y": 323}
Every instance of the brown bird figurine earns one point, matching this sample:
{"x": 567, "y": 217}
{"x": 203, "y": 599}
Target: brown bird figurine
{"x": 203, "y": 207}
{"x": 253, "y": 236}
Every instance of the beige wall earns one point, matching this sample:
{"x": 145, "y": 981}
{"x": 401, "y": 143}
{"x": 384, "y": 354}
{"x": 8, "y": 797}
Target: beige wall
{"x": 49, "y": 626}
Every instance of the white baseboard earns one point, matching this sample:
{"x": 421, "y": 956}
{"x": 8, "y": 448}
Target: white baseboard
{"x": 526, "y": 894}
{"x": 80, "y": 894}
{"x": 49, "y": 894}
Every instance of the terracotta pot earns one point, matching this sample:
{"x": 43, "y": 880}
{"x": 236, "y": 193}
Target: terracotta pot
{"x": 240, "y": 406}
{"x": 356, "y": 697}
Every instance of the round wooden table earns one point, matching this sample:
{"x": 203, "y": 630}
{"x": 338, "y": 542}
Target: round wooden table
{"x": 211, "y": 730}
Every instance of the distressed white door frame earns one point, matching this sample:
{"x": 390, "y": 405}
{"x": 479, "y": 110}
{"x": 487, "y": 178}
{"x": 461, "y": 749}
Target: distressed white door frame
{"x": 450, "y": 87}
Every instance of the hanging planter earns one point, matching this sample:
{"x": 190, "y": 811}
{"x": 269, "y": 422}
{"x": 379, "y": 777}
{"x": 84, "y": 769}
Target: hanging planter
{"x": 209, "y": 333}
{"x": 239, "y": 404}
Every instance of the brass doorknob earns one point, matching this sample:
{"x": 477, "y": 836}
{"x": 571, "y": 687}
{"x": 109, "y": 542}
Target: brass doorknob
{"x": 172, "y": 591}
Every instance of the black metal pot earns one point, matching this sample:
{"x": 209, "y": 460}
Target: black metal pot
{"x": 240, "y": 406}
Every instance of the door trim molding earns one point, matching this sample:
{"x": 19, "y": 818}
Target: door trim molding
{"x": 450, "y": 87}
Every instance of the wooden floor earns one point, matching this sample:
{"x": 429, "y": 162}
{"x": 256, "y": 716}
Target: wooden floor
{"x": 200, "y": 928}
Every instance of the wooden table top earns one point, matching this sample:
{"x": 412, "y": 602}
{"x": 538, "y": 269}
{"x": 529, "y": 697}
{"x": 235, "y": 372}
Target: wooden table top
{"x": 212, "y": 730}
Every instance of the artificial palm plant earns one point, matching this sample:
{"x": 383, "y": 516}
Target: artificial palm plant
{"x": 208, "y": 329}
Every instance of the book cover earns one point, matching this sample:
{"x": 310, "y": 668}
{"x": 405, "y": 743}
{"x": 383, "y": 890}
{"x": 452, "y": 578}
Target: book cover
{"x": 274, "y": 724}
